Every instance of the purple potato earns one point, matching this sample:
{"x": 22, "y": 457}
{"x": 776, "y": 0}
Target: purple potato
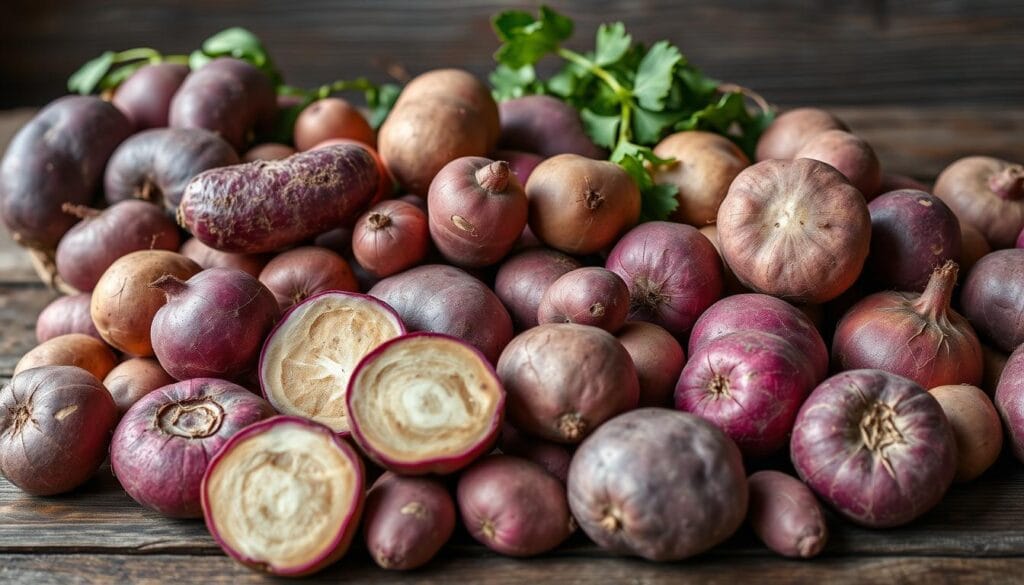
{"x": 546, "y": 126}
{"x": 145, "y": 97}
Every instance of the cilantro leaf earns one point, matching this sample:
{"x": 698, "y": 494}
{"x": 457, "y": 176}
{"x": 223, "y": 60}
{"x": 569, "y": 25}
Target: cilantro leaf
{"x": 510, "y": 23}
{"x": 612, "y": 43}
{"x": 650, "y": 127}
{"x": 88, "y": 77}
{"x": 527, "y": 39}
{"x": 558, "y": 26}
{"x": 603, "y": 130}
{"x": 659, "y": 202}
{"x": 655, "y": 74}
{"x": 512, "y": 83}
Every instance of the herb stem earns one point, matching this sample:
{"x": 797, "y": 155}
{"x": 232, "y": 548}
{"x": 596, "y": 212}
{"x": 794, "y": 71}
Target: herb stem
{"x": 624, "y": 95}
{"x": 135, "y": 54}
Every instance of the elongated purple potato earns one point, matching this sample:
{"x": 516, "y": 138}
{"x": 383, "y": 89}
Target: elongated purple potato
{"x": 1010, "y": 401}
{"x": 57, "y": 158}
{"x": 156, "y": 165}
{"x": 785, "y": 515}
{"x": 228, "y": 97}
{"x": 546, "y": 126}
{"x": 659, "y": 484}
{"x": 65, "y": 315}
{"x": 145, "y": 97}
{"x": 267, "y": 205}
{"x": 522, "y": 280}
{"x": 757, "y": 312}
{"x": 993, "y": 298}
{"x": 673, "y": 273}
{"x": 875, "y": 446}
{"x": 445, "y": 299}
{"x": 407, "y": 520}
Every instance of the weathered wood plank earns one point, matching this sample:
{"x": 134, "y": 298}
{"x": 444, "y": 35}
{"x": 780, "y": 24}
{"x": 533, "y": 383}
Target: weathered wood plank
{"x": 19, "y": 307}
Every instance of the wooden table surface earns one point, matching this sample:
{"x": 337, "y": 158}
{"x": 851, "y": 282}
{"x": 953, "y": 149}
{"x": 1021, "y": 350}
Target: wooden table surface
{"x": 976, "y": 535}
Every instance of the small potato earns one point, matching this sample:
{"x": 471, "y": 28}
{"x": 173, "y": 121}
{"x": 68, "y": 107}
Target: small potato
{"x": 522, "y": 280}
{"x": 706, "y": 163}
{"x": 145, "y": 97}
{"x": 331, "y": 118}
{"x": 407, "y": 520}
{"x": 658, "y": 359}
{"x": 976, "y": 428}
{"x": 390, "y": 237}
{"x": 785, "y": 515}
{"x": 300, "y": 273}
{"x": 132, "y": 379}
{"x": 588, "y": 296}
{"x": 73, "y": 349}
{"x": 792, "y": 130}
{"x": 64, "y": 315}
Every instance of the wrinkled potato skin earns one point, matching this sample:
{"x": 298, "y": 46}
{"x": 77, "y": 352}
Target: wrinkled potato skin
{"x": 706, "y": 163}
{"x": 73, "y": 349}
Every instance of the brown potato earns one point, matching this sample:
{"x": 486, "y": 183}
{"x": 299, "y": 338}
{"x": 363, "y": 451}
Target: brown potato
{"x": 132, "y": 379}
{"x": 73, "y": 349}
{"x": 976, "y": 428}
{"x": 706, "y": 163}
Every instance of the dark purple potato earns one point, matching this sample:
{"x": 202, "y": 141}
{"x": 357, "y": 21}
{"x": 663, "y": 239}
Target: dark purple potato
{"x": 546, "y": 126}
{"x": 65, "y": 315}
{"x": 553, "y": 457}
{"x": 96, "y": 242}
{"x": 513, "y": 506}
{"x": 912, "y": 233}
{"x": 445, "y": 299}
{"x": 751, "y": 385}
{"x": 785, "y": 515}
{"x": 658, "y": 359}
{"x": 134, "y": 378}
{"x": 57, "y": 158}
{"x": 673, "y": 273}
{"x": 208, "y": 257}
{"x": 523, "y": 279}
{"x": 587, "y": 296}
{"x": 791, "y": 130}
{"x": 145, "y": 97}
{"x": 407, "y": 520}
{"x": 228, "y": 97}
{"x": 658, "y": 484}
{"x": 851, "y": 155}
{"x": 875, "y": 446}
{"x": 521, "y": 163}
{"x": 993, "y": 298}
{"x": 757, "y": 312}
{"x": 1010, "y": 401}
{"x": 162, "y": 445}
{"x": 157, "y": 164}
{"x": 55, "y": 425}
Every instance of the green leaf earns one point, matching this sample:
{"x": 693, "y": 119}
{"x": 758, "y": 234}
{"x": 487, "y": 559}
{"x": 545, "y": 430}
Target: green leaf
{"x": 117, "y": 76}
{"x": 658, "y": 202}
{"x": 87, "y": 79}
{"x": 197, "y": 59}
{"x": 718, "y": 116}
{"x": 563, "y": 83}
{"x": 380, "y": 100}
{"x": 509, "y": 24}
{"x": 235, "y": 41}
{"x": 511, "y": 83}
{"x": 655, "y": 74}
{"x": 603, "y": 130}
{"x": 650, "y": 127}
{"x": 612, "y": 43}
{"x": 522, "y": 52}
{"x": 556, "y": 26}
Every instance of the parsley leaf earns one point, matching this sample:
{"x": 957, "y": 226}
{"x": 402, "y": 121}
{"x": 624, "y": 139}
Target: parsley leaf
{"x": 603, "y": 130}
{"x": 655, "y": 74}
{"x": 612, "y": 43}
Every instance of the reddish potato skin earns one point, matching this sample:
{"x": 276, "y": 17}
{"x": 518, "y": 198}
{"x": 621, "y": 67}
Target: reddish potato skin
{"x": 875, "y": 446}
{"x": 145, "y": 97}
{"x": 658, "y": 484}
{"x": 523, "y": 279}
{"x": 521, "y": 163}
{"x": 1009, "y": 400}
{"x": 390, "y": 237}
{"x": 552, "y": 457}
{"x": 68, "y": 407}
{"x": 706, "y": 163}
{"x": 268, "y": 151}
{"x": 65, "y": 315}
{"x": 513, "y": 506}
{"x": 546, "y": 126}
{"x": 547, "y": 396}
{"x": 673, "y": 273}
{"x": 987, "y": 193}
{"x": 588, "y": 296}
{"x": 57, "y": 158}
{"x": 445, "y": 299}
{"x": 792, "y": 130}
{"x": 207, "y": 257}
{"x": 228, "y": 97}
{"x": 993, "y": 298}
{"x": 93, "y": 244}
{"x": 385, "y": 187}
{"x": 132, "y": 379}
{"x": 850, "y": 155}
{"x": 298, "y": 274}
{"x": 976, "y": 427}
{"x": 329, "y": 118}
{"x": 974, "y": 247}
{"x": 785, "y": 515}
{"x": 267, "y": 205}
{"x": 658, "y": 359}
{"x": 407, "y": 520}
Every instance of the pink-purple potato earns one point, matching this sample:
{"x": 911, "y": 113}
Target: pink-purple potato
{"x": 521, "y": 163}
{"x": 208, "y": 257}
{"x": 145, "y": 97}
{"x": 68, "y": 314}
{"x": 976, "y": 427}
{"x": 228, "y": 97}
{"x": 57, "y": 158}
{"x": 513, "y": 506}
{"x": 672, "y": 271}
{"x": 791, "y": 130}
{"x": 300, "y": 273}
{"x": 328, "y": 118}
{"x": 1009, "y": 401}
{"x": 851, "y": 155}
{"x": 134, "y": 378}
{"x": 72, "y": 349}
{"x": 987, "y": 193}
{"x": 407, "y": 520}
{"x": 705, "y": 164}
{"x": 93, "y": 244}
{"x": 658, "y": 484}
{"x": 156, "y": 165}
{"x": 445, "y": 299}
{"x": 547, "y": 395}
{"x": 658, "y": 358}
{"x": 794, "y": 229}
{"x": 523, "y": 279}
{"x": 553, "y": 457}
{"x": 993, "y": 298}
{"x": 785, "y": 515}
{"x": 546, "y": 126}
{"x": 580, "y": 205}
{"x": 390, "y": 237}
{"x": 268, "y": 151}
{"x": 587, "y": 296}
{"x": 264, "y": 206}
{"x": 53, "y": 406}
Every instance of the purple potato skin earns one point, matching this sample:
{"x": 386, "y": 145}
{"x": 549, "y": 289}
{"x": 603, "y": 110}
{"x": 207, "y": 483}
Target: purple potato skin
{"x": 758, "y": 312}
{"x": 156, "y": 165}
{"x": 673, "y": 273}
{"x": 785, "y": 515}
{"x": 65, "y": 315}
{"x": 658, "y": 484}
{"x": 547, "y": 397}
{"x": 445, "y": 299}
{"x": 228, "y": 97}
{"x": 993, "y": 298}
{"x": 213, "y": 325}
{"x": 163, "y": 443}
{"x": 57, "y": 158}
{"x": 72, "y": 417}
{"x": 407, "y": 520}
{"x": 546, "y": 126}
{"x": 750, "y": 384}
{"x": 875, "y": 446}
{"x": 513, "y": 506}
{"x": 96, "y": 242}
{"x": 1009, "y": 400}
{"x": 268, "y": 205}
{"x": 658, "y": 358}
{"x": 208, "y": 257}
{"x": 792, "y": 129}
{"x": 523, "y": 279}
{"x": 912, "y": 233}
{"x": 588, "y": 296}
{"x": 521, "y": 163}
{"x": 553, "y": 457}
{"x": 145, "y": 97}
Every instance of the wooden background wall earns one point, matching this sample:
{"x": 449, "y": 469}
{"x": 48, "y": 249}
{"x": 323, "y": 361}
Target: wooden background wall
{"x": 829, "y": 52}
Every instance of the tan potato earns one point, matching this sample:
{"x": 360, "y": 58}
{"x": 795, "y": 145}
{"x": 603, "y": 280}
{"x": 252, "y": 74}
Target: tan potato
{"x": 976, "y": 428}
{"x": 72, "y": 349}
{"x": 706, "y": 163}
{"x": 132, "y": 379}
